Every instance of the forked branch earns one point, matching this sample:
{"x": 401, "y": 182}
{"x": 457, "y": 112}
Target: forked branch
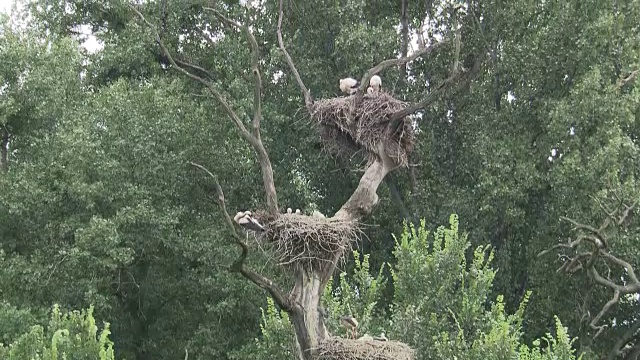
{"x": 252, "y": 137}
{"x": 597, "y": 237}
{"x": 305, "y": 92}
{"x": 239, "y": 265}
{"x": 457, "y": 80}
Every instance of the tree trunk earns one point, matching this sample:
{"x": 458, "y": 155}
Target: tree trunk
{"x": 306, "y": 318}
{"x": 5, "y": 148}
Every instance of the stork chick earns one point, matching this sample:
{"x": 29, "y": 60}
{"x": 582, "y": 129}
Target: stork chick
{"x": 349, "y": 85}
{"x": 382, "y": 337}
{"x": 375, "y": 83}
{"x": 350, "y": 323}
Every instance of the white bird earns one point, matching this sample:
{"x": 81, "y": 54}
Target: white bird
{"x": 350, "y": 323}
{"x": 366, "y": 337}
{"x": 349, "y": 85}
{"x": 317, "y": 214}
{"x": 370, "y": 90}
{"x": 382, "y": 337}
{"x": 375, "y": 83}
{"x": 288, "y": 210}
{"x": 245, "y": 220}
{"x": 298, "y": 212}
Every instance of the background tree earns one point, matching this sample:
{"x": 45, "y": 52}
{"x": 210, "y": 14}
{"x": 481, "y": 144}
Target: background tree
{"x": 549, "y": 124}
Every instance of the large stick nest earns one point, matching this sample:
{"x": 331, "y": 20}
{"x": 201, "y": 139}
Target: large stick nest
{"x": 337, "y": 348}
{"x": 309, "y": 242}
{"x": 345, "y": 129}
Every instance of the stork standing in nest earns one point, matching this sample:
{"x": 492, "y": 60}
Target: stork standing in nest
{"x": 246, "y": 221}
{"x": 350, "y": 323}
{"x": 349, "y": 85}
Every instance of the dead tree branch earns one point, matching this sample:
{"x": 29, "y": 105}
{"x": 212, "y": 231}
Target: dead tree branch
{"x": 253, "y": 137}
{"x": 624, "y": 340}
{"x": 239, "y": 265}
{"x": 598, "y": 238}
{"x": 457, "y": 80}
{"x": 385, "y": 64}
{"x": 308, "y": 101}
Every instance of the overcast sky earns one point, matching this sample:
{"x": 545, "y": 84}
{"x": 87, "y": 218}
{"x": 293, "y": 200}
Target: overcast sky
{"x": 5, "y": 5}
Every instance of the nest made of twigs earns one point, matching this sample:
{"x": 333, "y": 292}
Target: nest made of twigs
{"x": 336, "y": 348}
{"x": 307, "y": 241}
{"x": 345, "y": 129}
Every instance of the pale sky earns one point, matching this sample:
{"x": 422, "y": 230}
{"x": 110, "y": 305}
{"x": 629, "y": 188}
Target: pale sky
{"x": 92, "y": 44}
{"x": 5, "y": 5}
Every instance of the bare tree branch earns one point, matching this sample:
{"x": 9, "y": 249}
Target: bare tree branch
{"x": 255, "y": 58}
{"x": 628, "y": 335}
{"x": 239, "y": 265}
{"x": 308, "y": 101}
{"x": 385, "y": 64}
{"x": 460, "y": 78}
{"x": 252, "y": 137}
{"x": 598, "y": 238}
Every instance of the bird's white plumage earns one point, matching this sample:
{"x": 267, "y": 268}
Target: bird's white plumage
{"x": 317, "y": 214}
{"x": 375, "y": 83}
{"x": 349, "y": 85}
{"x": 245, "y": 220}
{"x": 298, "y": 212}
{"x": 369, "y": 90}
{"x": 288, "y": 210}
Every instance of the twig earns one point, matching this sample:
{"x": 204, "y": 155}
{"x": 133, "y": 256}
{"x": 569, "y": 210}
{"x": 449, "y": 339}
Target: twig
{"x": 308, "y": 101}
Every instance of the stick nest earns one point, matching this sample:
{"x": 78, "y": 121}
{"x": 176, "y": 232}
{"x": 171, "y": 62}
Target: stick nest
{"x": 309, "y": 242}
{"x": 344, "y": 131}
{"x": 337, "y": 348}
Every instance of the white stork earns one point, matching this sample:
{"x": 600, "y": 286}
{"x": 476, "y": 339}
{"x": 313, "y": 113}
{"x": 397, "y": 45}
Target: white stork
{"x": 317, "y": 214}
{"x": 375, "y": 83}
{"x": 350, "y": 323}
{"x": 289, "y": 211}
{"x": 245, "y": 220}
{"x": 298, "y": 212}
{"x": 349, "y": 85}
{"x": 382, "y": 337}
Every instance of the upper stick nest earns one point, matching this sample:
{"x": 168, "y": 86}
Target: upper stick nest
{"x": 307, "y": 241}
{"x": 347, "y": 131}
{"x": 337, "y": 348}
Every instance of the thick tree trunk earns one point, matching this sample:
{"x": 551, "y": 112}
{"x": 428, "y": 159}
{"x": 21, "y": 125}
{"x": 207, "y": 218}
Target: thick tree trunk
{"x": 306, "y": 318}
{"x": 5, "y": 148}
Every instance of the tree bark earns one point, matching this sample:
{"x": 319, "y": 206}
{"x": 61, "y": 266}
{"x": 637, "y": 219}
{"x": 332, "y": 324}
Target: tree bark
{"x": 306, "y": 319}
{"x": 4, "y": 164}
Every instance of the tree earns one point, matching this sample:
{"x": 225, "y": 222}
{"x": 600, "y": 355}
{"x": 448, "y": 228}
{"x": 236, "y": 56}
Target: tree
{"x": 386, "y": 150}
{"x": 68, "y": 335}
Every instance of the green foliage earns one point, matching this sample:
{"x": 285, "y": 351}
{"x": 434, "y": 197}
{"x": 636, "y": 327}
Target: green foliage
{"x": 441, "y": 306}
{"x": 69, "y": 335}
{"x": 277, "y": 340}
{"x": 550, "y": 347}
